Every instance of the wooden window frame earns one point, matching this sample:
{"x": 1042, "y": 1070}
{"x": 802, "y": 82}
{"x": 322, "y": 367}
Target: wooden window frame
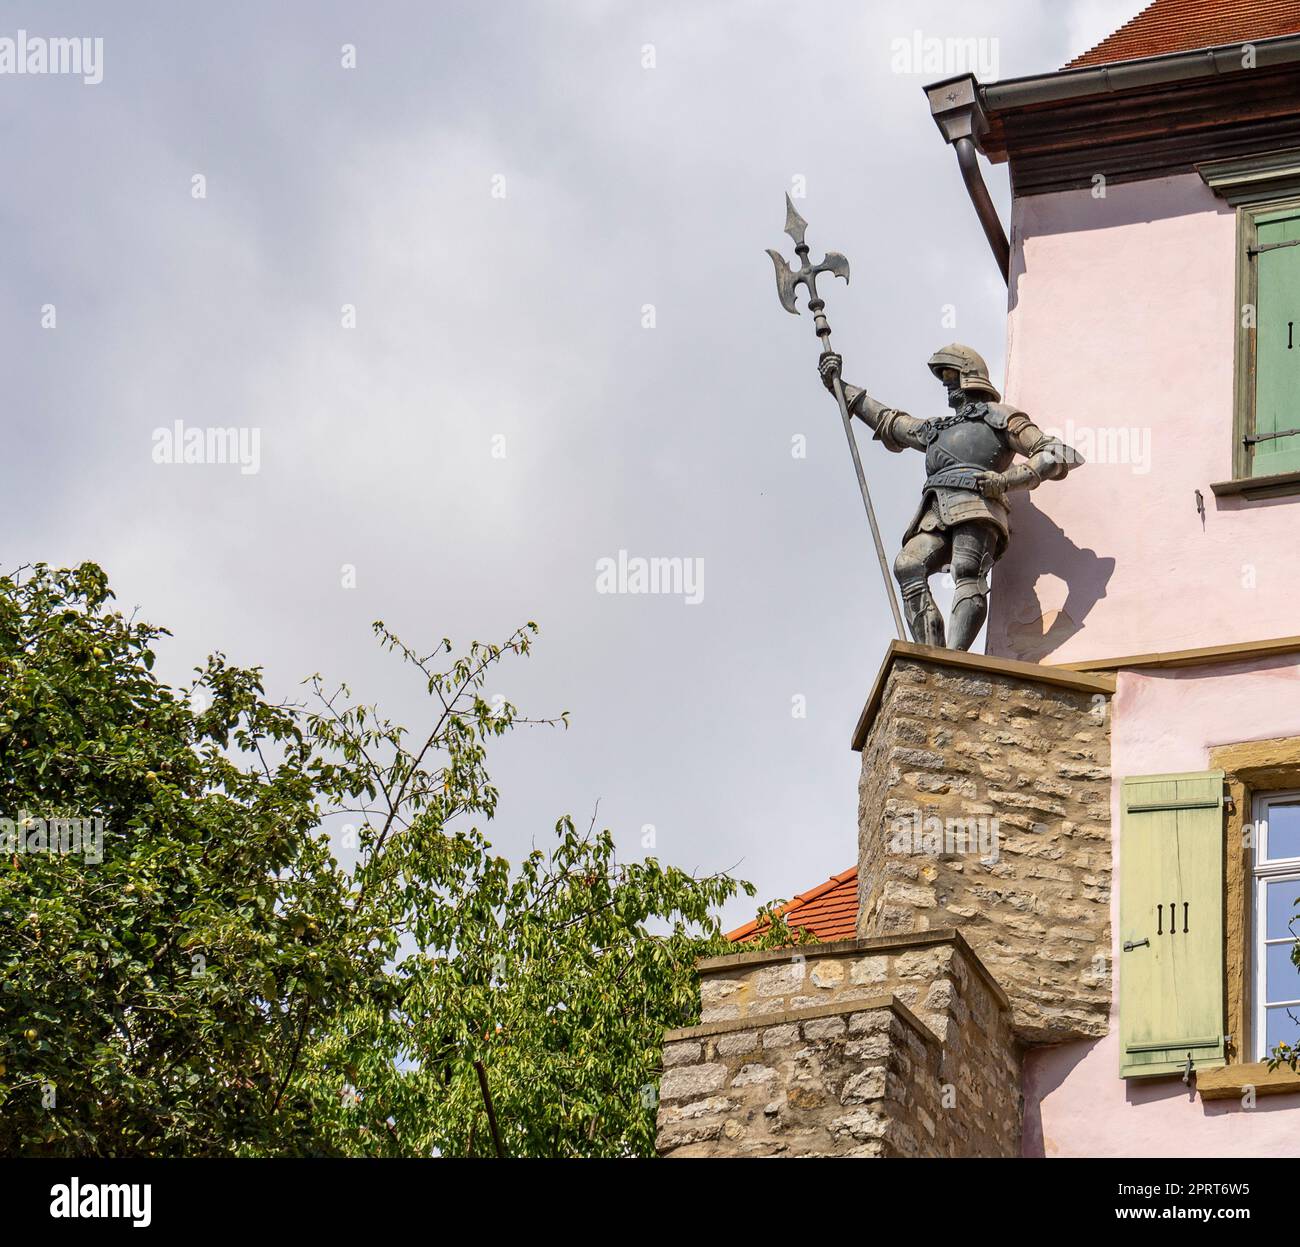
{"x": 1252, "y": 768}
{"x": 1264, "y": 872}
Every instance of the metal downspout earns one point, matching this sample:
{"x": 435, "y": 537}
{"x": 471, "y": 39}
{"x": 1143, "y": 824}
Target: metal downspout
{"x": 968, "y": 162}
{"x": 958, "y": 111}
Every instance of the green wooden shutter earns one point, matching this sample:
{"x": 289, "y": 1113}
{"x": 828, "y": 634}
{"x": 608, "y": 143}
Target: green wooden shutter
{"x": 1277, "y": 343}
{"x": 1171, "y": 897}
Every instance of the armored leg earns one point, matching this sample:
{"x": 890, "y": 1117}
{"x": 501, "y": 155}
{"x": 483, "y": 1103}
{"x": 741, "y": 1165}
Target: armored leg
{"x": 923, "y": 555}
{"x": 972, "y": 558}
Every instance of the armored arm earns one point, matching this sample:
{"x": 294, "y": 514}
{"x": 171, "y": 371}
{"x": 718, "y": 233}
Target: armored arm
{"x": 1046, "y": 458}
{"x": 896, "y": 430}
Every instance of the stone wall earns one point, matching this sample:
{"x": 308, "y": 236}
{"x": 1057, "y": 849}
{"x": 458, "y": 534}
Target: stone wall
{"x": 876, "y": 1047}
{"x": 984, "y": 803}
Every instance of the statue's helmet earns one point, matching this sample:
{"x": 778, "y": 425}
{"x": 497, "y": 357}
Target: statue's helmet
{"x": 970, "y": 366}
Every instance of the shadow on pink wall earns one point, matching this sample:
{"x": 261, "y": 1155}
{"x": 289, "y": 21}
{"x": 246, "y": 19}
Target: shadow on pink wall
{"x": 1040, "y": 1078}
{"x": 1023, "y": 626}
{"x": 1091, "y": 1116}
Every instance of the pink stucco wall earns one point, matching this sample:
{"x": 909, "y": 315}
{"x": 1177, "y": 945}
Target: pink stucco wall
{"x": 1121, "y": 330}
{"x": 1075, "y": 1102}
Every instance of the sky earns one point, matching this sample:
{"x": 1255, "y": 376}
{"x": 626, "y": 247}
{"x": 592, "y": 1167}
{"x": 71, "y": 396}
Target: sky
{"x": 483, "y": 287}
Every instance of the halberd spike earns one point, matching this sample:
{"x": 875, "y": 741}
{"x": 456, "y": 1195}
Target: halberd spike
{"x": 794, "y": 223}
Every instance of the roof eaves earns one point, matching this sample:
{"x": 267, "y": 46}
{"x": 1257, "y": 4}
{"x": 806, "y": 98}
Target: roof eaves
{"x": 803, "y": 898}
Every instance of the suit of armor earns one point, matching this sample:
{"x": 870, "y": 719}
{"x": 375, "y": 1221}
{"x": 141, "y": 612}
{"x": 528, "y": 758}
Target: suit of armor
{"x": 962, "y": 521}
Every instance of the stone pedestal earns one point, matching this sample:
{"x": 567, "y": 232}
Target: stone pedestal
{"x": 984, "y": 804}
{"x": 880, "y": 1047}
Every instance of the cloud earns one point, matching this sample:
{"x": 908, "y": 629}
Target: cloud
{"x": 480, "y": 318}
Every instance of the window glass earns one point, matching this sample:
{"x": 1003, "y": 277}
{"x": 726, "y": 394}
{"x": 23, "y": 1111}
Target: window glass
{"x": 1280, "y": 906}
{"x": 1281, "y": 975}
{"x": 1283, "y": 825}
{"x": 1281, "y": 1027}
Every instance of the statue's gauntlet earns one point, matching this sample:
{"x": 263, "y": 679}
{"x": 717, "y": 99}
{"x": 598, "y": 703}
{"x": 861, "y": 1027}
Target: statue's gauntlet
{"x": 1021, "y": 476}
{"x": 1047, "y": 458}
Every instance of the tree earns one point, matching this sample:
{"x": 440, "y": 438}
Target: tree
{"x": 222, "y": 983}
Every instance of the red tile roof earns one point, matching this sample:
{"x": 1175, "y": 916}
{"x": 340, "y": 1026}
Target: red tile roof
{"x": 1183, "y": 25}
{"x": 829, "y": 911}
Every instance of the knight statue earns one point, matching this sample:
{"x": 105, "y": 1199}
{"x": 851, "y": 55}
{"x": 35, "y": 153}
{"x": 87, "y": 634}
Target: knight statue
{"x": 970, "y": 455}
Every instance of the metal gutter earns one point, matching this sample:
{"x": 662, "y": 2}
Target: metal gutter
{"x": 1069, "y": 84}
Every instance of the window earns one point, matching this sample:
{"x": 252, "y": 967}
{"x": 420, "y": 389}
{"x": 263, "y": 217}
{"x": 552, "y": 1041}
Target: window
{"x": 1277, "y": 901}
{"x": 1267, "y": 425}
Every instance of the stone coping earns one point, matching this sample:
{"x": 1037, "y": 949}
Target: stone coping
{"x": 839, "y": 1008}
{"x": 855, "y": 947}
{"x": 1032, "y": 672}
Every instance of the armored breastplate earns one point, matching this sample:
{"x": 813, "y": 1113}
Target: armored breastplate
{"x": 971, "y": 438}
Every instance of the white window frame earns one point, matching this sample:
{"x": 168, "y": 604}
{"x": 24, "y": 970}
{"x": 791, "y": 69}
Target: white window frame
{"x": 1265, "y": 872}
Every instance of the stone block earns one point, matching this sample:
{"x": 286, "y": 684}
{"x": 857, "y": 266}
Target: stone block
{"x": 686, "y": 1082}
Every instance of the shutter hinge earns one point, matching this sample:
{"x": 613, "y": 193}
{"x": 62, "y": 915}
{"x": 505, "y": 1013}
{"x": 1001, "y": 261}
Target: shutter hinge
{"x": 1271, "y": 246}
{"x": 1251, "y": 438}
